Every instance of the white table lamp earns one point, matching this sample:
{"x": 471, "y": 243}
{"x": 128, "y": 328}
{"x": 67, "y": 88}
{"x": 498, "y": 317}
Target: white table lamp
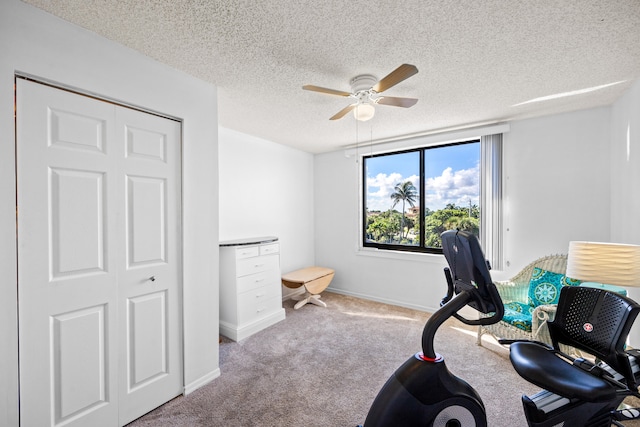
{"x": 604, "y": 263}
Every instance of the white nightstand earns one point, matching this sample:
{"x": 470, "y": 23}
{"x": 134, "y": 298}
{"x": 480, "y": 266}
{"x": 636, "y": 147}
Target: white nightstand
{"x": 250, "y": 287}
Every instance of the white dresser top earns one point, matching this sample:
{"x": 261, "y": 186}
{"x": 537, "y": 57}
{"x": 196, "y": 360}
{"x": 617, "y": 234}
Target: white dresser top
{"x": 249, "y": 241}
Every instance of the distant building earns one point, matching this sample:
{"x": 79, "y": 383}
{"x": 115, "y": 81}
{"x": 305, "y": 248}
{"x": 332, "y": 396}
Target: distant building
{"x": 414, "y": 211}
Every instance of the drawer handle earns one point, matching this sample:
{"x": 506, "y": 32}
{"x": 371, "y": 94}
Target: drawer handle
{"x": 260, "y": 295}
{"x": 259, "y": 280}
{"x": 259, "y": 265}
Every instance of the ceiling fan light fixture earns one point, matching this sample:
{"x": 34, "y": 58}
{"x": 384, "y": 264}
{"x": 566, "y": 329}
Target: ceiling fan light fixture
{"x": 364, "y": 112}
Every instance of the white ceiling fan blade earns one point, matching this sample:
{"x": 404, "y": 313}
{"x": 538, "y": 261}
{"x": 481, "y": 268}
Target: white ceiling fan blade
{"x": 401, "y": 73}
{"x": 397, "y": 102}
{"x": 325, "y": 90}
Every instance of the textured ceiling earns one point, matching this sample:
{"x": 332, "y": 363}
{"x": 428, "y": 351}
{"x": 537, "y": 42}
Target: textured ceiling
{"x": 477, "y": 60}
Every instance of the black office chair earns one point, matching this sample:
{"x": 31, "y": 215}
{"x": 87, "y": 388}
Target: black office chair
{"x": 579, "y": 391}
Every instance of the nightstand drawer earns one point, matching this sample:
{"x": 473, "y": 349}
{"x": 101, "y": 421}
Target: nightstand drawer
{"x": 256, "y": 306}
{"x": 263, "y": 292}
{"x": 247, "y": 251}
{"x": 253, "y": 281}
{"x": 273, "y": 248}
{"x": 257, "y": 264}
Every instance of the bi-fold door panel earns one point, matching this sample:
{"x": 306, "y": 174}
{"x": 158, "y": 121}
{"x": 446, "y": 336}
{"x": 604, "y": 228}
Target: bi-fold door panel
{"x": 149, "y": 292}
{"x": 67, "y": 285}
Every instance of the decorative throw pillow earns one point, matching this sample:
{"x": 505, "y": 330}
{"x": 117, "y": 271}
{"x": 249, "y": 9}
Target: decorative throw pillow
{"x": 544, "y": 286}
{"x": 518, "y": 314}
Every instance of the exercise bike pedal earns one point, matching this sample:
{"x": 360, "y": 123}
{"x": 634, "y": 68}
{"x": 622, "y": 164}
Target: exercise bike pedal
{"x": 626, "y": 414}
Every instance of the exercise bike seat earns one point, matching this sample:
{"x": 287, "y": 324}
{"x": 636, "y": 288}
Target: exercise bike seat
{"x": 539, "y": 365}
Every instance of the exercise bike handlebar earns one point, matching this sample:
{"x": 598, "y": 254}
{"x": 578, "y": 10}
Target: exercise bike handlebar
{"x": 450, "y": 306}
{"x": 468, "y": 283}
{"x": 493, "y": 300}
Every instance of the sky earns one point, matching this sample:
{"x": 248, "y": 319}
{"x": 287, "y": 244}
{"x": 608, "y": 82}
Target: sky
{"x": 452, "y": 174}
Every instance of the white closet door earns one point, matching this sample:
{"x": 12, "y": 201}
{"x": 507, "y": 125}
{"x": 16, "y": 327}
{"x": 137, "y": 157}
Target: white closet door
{"x": 149, "y": 263}
{"x": 75, "y": 299}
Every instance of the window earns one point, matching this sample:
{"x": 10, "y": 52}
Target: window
{"x": 414, "y": 196}
{"x": 410, "y": 197}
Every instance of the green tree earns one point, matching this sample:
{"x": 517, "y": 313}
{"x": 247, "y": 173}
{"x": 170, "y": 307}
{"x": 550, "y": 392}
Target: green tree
{"x": 404, "y": 192}
{"x": 383, "y": 227}
{"x": 409, "y": 224}
{"x": 450, "y": 218}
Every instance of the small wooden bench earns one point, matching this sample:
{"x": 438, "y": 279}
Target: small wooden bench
{"x": 314, "y": 279}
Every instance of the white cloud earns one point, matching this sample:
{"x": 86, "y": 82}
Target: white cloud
{"x": 457, "y": 187}
{"x": 381, "y": 186}
{"x": 384, "y": 183}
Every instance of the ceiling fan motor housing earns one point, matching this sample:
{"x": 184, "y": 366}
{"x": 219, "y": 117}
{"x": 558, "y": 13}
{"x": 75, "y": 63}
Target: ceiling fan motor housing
{"x": 363, "y": 82}
{"x": 361, "y": 87}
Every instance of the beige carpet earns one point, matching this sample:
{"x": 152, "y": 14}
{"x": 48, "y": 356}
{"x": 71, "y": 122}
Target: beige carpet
{"x": 324, "y": 366}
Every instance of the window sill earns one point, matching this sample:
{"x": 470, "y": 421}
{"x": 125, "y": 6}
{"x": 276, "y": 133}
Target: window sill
{"x": 402, "y": 255}
{"x": 413, "y": 256}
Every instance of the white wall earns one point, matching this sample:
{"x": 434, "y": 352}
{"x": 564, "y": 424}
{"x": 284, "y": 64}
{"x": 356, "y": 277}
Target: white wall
{"x": 556, "y": 190}
{"x": 557, "y": 182}
{"x": 625, "y": 179}
{"x": 34, "y": 42}
{"x": 266, "y": 189}
{"x": 625, "y": 167}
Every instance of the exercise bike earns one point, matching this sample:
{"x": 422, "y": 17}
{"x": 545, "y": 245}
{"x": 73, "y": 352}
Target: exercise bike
{"x": 577, "y": 391}
{"x": 423, "y": 392}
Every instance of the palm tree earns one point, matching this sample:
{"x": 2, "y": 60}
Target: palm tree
{"x": 407, "y": 193}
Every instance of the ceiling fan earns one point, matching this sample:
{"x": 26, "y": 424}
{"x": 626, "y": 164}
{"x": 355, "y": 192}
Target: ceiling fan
{"x": 365, "y": 89}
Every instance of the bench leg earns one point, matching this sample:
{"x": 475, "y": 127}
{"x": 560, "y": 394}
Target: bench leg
{"x": 307, "y": 298}
{"x": 315, "y": 299}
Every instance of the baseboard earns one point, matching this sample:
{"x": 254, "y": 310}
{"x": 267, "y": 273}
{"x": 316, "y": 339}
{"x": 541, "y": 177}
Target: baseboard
{"x": 206, "y": 379}
{"x": 384, "y": 300}
{"x": 238, "y": 333}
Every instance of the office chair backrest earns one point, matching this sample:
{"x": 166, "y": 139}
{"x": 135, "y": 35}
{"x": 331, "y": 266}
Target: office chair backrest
{"x": 598, "y": 322}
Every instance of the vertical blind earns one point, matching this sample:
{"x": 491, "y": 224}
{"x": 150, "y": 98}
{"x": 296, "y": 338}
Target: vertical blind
{"x": 491, "y": 202}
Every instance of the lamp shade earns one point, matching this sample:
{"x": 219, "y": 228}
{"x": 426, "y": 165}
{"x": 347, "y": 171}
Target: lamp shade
{"x": 608, "y": 263}
{"x": 364, "y": 112}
